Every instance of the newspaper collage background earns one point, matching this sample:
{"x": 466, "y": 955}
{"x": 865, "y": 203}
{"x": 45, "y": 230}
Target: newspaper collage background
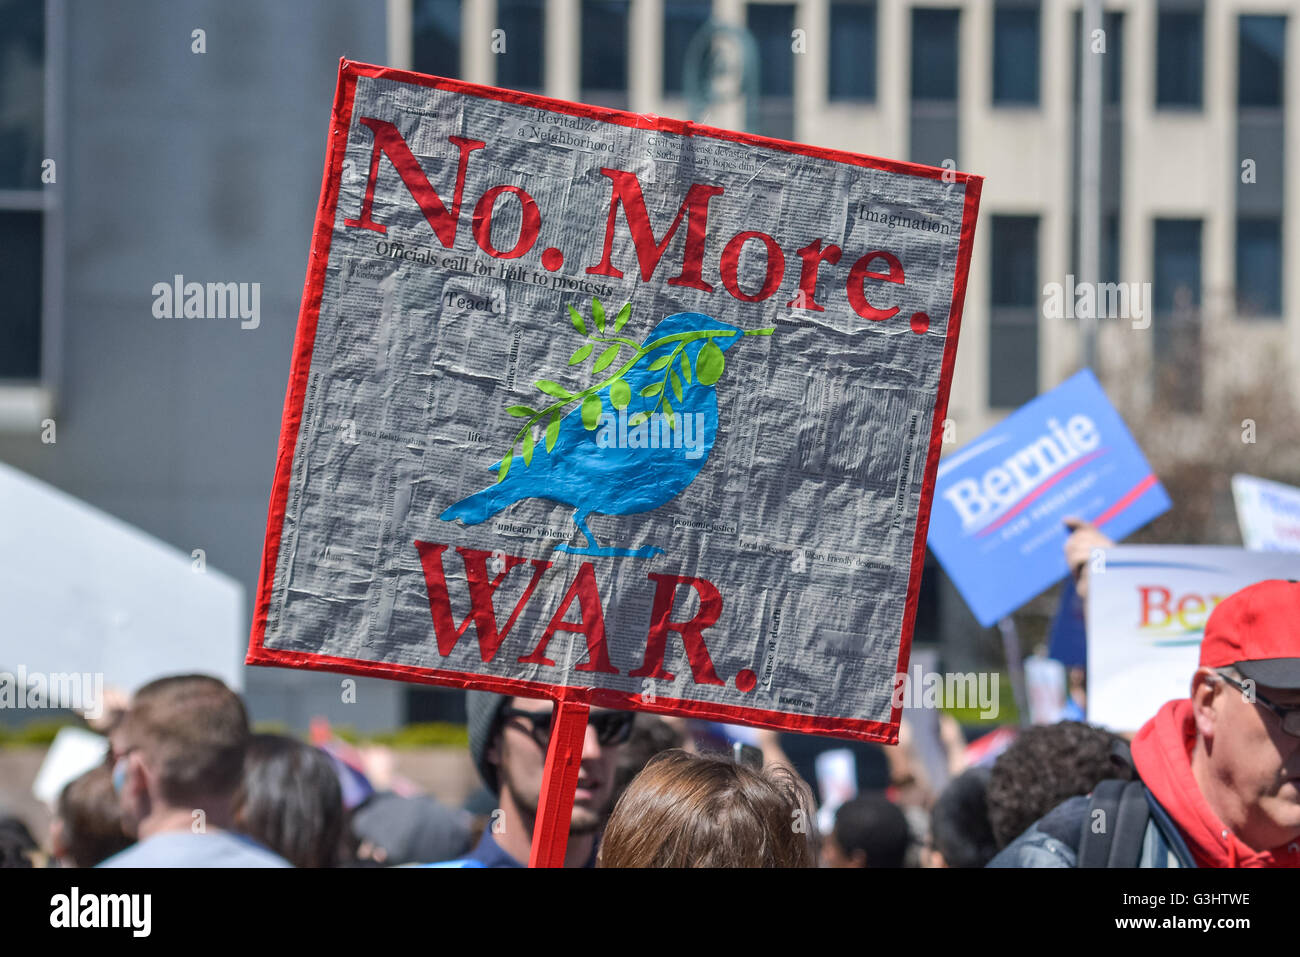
{"x": 804, "y": 513}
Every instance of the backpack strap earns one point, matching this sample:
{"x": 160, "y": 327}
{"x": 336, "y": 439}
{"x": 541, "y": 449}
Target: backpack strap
{"x": 1131, "y": 827}
{"x": 1114, "y": 837}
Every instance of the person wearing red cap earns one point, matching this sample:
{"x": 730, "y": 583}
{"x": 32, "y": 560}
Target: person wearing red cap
{"x": 1219, "y": 771}
{"x": 1225, "y": 763}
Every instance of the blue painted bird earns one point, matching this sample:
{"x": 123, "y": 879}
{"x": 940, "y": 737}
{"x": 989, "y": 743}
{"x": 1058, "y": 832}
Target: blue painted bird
{"x": 605, "y": 463}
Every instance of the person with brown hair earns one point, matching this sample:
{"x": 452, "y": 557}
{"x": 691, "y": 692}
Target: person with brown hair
{"x": 178, "y": 759}
{"x": 87, "y": 827}
{"x": 688, "y": 810}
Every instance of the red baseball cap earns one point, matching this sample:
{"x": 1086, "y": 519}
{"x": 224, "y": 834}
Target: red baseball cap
{"x": 1257, "y": 631}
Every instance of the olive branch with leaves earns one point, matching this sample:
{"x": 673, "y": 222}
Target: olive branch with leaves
{"x": 709, "y": 364}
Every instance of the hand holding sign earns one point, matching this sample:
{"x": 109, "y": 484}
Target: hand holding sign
{"x": 1081, "y": 551}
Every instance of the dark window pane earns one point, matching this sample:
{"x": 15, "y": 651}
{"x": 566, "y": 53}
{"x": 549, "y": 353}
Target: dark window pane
{"x": 435, "y": 37}
{"x": 1013, "y": 318}
{"x": 1260, "y": 60}
{"x": 772, "y": 25}
{"x": 934, "y": 54}
{"x": 1112, "y": 77}
{"x": 1180, "y": 57}
{"x": 1015, "y": 54}
{"x": 1015, "y": 260}
{"x": 519, "y": 67}
{"x": 1259, "y": 267}
{"x": 682, "y": 20}
{"x": 1176, "y": 326}
{"x": 1178, "y": 264}
{"x": 604, "y": 52}
{"x": 20, "y": 278}
{"x": 1013, "y": 362}
{"x": 853, "y": 52}
{"x": 1110, "y": 249}
{"x": 22, "y": 93}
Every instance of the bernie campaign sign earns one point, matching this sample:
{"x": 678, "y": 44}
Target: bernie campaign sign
{"x": 587, "y": 403}
{"x": 1268, "y": 513}
{"x": 1147, "y": 610}
{"x": 999, "y": 502}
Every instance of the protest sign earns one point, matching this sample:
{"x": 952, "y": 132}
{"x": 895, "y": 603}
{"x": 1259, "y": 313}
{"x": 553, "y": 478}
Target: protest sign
{"x": 999, "y": 501}
{"x": 1045, "y": 687}
{"x": 1268, "y": 513}
{"x": 1147, "y": 608}
{"x": 612, "y": 409}
{"x": 72, "y": 753}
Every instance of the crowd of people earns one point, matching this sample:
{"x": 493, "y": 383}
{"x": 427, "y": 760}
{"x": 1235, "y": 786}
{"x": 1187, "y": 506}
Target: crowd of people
{"x": 1211, "y": 780}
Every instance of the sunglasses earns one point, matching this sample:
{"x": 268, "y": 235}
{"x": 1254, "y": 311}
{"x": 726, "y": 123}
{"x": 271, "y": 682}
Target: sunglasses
{"x": 612, "y": 727}
{"x": 1290, "y": 716}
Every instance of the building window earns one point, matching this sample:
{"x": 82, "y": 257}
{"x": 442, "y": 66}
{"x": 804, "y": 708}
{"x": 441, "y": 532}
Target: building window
{"x": 1109, "y": 260}
{"x": 604, "y": 52}
{"x": 1261, "y": 46}
{"x": 1177, "y": 322}
{"x": 772, "y": 25}
{"x": 853, "y": 52}
{"x": 1015, "y": 54}
{"x": 1013, "y": 316}
{"x": 682, "y": 20}
{"x": 1178, "y": 265}
{"x": 1180, "y": 57}
{"x": 519, "y": 66}
{"x": 21, "y": 238}
{"x": 23, "y": 204}
{"x": 435, "y": 37}
{"x": 1259, "y": 266}
{"x": 934, "y": 54}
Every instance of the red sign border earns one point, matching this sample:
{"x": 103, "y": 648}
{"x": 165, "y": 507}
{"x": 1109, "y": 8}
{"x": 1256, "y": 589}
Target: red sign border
{"x": 304, "y": 344}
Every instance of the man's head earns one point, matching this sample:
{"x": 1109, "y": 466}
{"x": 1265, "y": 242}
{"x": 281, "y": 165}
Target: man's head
{"x": 508, "y": 741}
{"x": 1249, "y": 754}
{"x": 1044, "y": 766}
{"x": 960, "y": 832}
{"x": 179, "y": 748}
{"x": 869, "y": 832}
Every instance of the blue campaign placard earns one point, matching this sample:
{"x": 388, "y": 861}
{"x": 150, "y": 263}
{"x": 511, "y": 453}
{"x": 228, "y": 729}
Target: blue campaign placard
{"x": 999, "y": 503}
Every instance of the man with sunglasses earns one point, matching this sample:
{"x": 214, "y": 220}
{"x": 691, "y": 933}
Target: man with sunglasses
{"x": 508, "y": 738}
{"x": 1219, "y": 771}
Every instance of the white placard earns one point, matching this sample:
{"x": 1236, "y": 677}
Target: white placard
{"x": 1147, "y": 609}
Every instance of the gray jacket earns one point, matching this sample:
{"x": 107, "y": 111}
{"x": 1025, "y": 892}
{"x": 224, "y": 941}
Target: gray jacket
{"x": 1054, "y": 839}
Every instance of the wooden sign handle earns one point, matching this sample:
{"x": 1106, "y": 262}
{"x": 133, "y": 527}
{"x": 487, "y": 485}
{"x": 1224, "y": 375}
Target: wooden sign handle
{"x": 559, "y": 783}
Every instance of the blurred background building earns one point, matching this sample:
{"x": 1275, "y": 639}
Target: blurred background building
{"x": 127, "y": 157}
